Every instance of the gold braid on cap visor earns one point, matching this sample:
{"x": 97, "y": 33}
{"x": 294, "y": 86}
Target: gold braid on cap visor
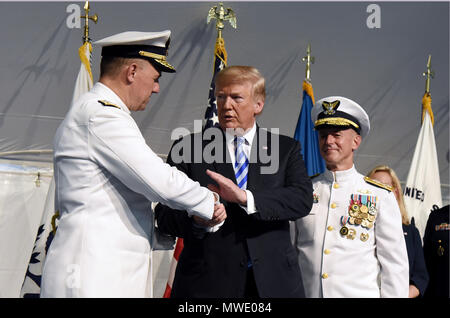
{"x": 161, "y": 59}
{"x": 336, "y": 121}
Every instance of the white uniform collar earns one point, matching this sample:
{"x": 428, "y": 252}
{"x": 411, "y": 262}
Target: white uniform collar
{"x": 341, "y": 176}
{"x": 110, "y": 96}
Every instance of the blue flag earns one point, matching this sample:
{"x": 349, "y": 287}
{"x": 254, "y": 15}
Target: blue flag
{"x": 307, "y": 135}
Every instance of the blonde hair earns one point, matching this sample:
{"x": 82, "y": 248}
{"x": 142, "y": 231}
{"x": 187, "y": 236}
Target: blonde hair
{"x": 238, "y": 74}
{"x": 396, "y": 187}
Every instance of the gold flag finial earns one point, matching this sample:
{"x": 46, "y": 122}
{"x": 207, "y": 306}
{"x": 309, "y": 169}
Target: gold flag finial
{"x": 86, "y": 18}
{"x": 428, "y": 75}
{"x": 309, "y": 60}
{"x": 426, "y": 100}
{"x": 220, "y": 14}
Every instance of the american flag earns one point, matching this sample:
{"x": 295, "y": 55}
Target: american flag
{"x": 220, "y": 61}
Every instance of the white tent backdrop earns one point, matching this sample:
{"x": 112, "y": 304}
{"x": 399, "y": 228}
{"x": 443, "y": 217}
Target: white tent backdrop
{"x": 381, "y": 68}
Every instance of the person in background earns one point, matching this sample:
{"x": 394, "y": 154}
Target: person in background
{"x": 418, "y": 275}
{"x": 435, "y": 248}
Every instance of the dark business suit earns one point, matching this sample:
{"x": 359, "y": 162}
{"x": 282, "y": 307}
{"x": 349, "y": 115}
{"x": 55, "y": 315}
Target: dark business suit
{"x": 215, "y": 264}
{"x": 418, "y": 275}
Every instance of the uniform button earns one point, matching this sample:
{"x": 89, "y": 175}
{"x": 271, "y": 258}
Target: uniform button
{"x": 336, "y": 185}
{"x": 324, "y": 275}
{"x": 333, "y": 205}
{"x": 330, "y": 228}
{"x": 327, "y": 251}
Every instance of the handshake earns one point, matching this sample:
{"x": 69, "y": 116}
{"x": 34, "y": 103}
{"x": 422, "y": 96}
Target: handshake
{"x": 228, "y": 191}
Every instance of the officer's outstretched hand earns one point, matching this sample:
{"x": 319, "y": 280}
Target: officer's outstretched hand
{"x": 226, "y": 188}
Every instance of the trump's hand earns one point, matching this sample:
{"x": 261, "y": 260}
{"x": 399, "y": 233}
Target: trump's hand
{"x": 227, "y": 189}
{"x": 220, "y": 214}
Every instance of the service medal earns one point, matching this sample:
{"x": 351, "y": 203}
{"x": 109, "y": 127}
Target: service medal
{"x": 351, "y": 234}
{"x": 365, "y": 223}
{"x": 373, "y": 205}
{"x": 364, "y": 236}
{"x": 358, "y": 221}
{"x": 344, "y": 231}
{"x": 364, "y": 209}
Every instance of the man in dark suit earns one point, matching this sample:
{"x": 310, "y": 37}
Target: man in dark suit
{"x": 250, "y": 254}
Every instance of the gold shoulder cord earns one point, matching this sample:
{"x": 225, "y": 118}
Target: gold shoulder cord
{"x": 378, "y": 184}
{"x": 106, "y": 103}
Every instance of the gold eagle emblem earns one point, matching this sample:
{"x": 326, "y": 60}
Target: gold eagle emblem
{"x": 330, "y": 108}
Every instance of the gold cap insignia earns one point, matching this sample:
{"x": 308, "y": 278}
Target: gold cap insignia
{"x": 330, "y": 108}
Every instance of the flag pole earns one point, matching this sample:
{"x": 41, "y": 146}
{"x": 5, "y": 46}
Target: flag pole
{"x": 426, "y": 100}
{"x": 220, "y": 14}
{"x": 304, "y": 131}
{"x": 429, "y": 74}
{"x": 309, "y": 60}
{"x": 422, "y": 192}
{"x": 220, "y": 58}
{"x": 86, "y": 18}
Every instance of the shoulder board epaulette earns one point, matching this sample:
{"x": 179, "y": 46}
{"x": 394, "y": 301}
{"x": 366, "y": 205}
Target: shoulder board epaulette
{"x": 109, "y": 104}
{"x": 378, "y": 184}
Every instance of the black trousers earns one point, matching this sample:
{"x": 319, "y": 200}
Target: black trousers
{"x": 251, "y": 291}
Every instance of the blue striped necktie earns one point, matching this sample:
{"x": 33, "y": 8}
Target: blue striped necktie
{"x": 241, "y": 164}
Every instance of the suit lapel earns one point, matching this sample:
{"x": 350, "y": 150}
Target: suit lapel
{"x": 259, "y": 145}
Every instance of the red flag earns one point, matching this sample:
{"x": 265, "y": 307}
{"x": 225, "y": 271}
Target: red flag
{"x": 173, "y": 267}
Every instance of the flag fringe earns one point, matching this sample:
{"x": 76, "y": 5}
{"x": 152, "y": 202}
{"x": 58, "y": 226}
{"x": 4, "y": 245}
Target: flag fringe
{"x": 307, "y": 87}
{"x": 219, "y": 50}
{"x": 85, "y": 59}
{"x": 426, "y": 107}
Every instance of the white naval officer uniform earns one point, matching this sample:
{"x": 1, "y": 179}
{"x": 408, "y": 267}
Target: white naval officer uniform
{"x": 335, "y": 265}
{"x": 106, "y": 178}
